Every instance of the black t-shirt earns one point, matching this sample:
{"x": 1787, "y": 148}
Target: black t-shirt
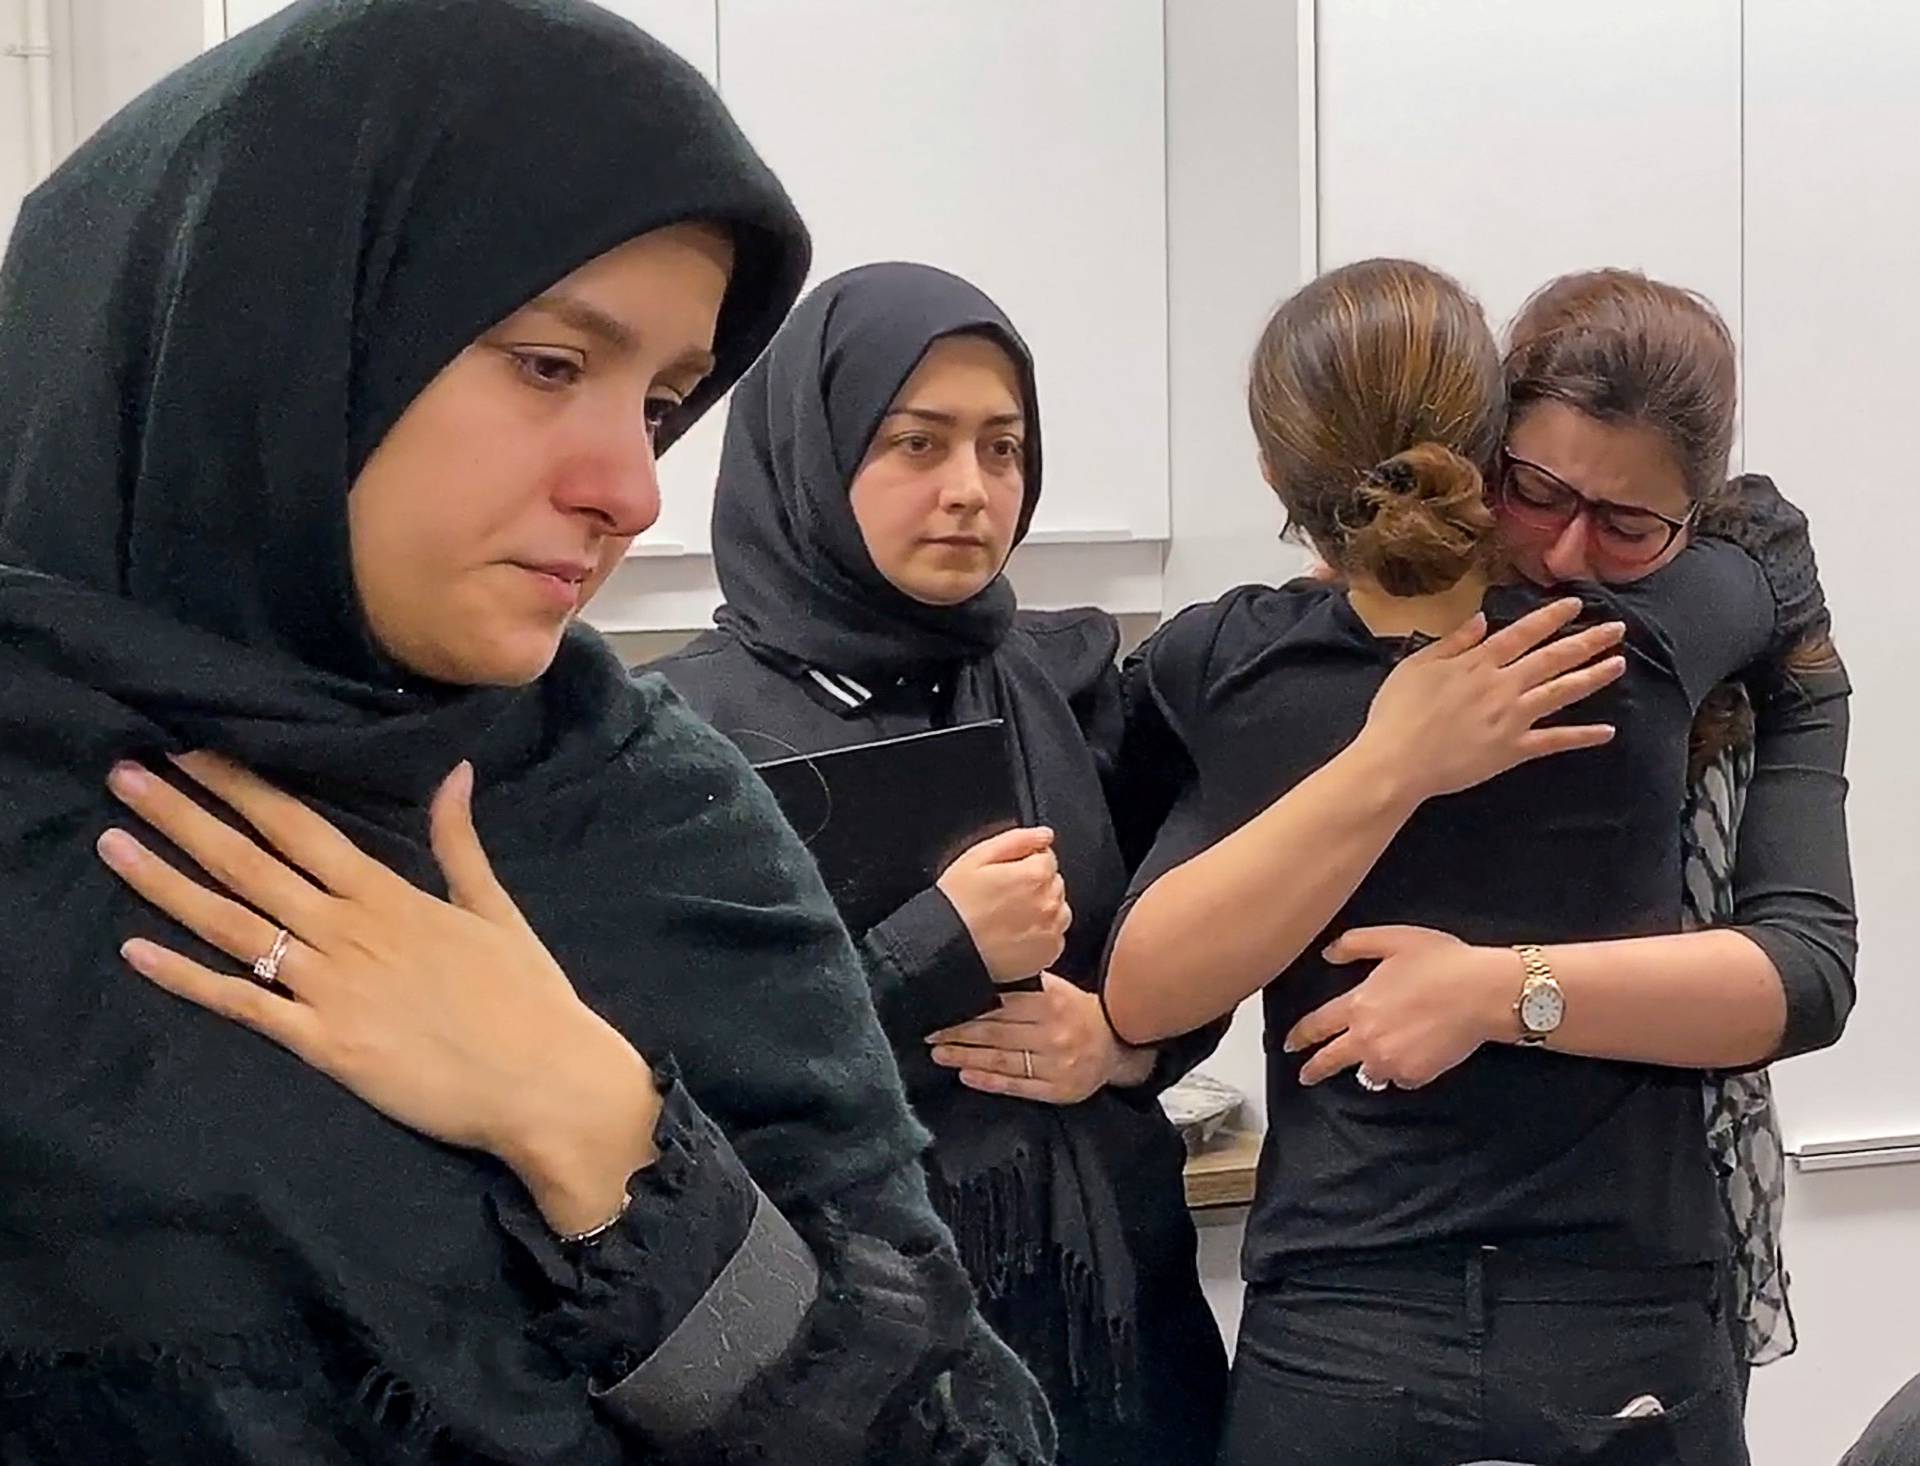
{"x": 1519, "y": 1147}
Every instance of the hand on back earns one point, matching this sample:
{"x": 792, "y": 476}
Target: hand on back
{"x": 1466, "y": 708}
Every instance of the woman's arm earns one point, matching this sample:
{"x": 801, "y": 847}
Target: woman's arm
{"x": 1138, "y": 759}
{"x": 925, "y": 971}
{"x": 1793, "y": 873}
{"x": 1148, "y": 773}
{"x": 1777, "y": 982}
{"x": 1215, "y": 929}
{"x": 706, "y": 1323}
{"x": 844, "y": 1334}
{"x": 1700, "y": 1000}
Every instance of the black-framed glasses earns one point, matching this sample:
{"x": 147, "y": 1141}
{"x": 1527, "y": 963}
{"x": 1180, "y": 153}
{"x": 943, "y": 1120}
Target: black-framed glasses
{"x": 1625, "y": 533}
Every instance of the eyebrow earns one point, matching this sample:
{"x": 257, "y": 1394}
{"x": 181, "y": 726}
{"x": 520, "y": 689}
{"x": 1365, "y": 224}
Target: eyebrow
{"x": 949, "y": 420}
{"x": 1594, "y": 499}
{"x": 611, "y": 332}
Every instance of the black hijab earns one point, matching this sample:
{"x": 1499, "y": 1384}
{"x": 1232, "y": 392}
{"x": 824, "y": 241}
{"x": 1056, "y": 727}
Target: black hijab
{"x": 802, "y": 590}
{"x": 209, "y": 317}
{"x": 784, "y": 535}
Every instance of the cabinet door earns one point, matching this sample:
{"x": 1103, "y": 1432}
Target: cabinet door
{"x": 1022, "y": 146}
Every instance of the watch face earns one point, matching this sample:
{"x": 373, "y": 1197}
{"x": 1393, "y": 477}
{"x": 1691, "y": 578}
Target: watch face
{"x": 1542, "y": 1007}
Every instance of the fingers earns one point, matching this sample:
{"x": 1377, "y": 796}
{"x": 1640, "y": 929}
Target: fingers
{"x": 1009, "y": 845}
{"x": 1023, "y": 1006}
{"x": 1566, "y": 690}
{"x": 1038, "y": 868}
{"x": 1330, "y": 1018}
{"x": 471, "y": 883}
{"x": 987, "y": 1033}
{"x": 1009, "y": 1063}
{"x": 1545, "y": 742}
{"x": 1511, "y": 642}
{"x": 1377, "y": 943}
{"x": 993, "y": 1071}
{"x": 233, "y": 860}
{"x": 1337, "y": 1057}
{"x": 1037, "y": 1090}
{"x": 1041, "y": 874}
{"x": 243, "y": 935}
{"x": 1569, "y": 652}
{"x": 290, "y": 1024}
{"x": 303, "y": 837}
{"x": 1463, "y": 638}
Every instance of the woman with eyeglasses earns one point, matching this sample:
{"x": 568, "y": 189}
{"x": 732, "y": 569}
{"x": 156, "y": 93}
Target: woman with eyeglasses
{"x": 1485, "y": 1222}
{"x": 1622, "y": 394}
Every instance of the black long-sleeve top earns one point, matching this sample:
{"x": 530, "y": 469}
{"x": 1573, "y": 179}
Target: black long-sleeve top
{"x": 1518, "y": 1147}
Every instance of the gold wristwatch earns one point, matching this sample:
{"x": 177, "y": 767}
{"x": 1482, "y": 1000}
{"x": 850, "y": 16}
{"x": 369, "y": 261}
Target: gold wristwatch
{"x": 1541, "y": 1006}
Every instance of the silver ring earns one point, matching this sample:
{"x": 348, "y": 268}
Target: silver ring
{"x": 1026, "y": 1058}
{"x": 1367, "y": 1082}
{"x": 266, "y": 970}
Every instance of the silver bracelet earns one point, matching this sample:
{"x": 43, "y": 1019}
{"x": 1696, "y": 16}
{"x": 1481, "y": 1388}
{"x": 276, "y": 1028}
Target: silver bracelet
{"x": 594, "y": 1234}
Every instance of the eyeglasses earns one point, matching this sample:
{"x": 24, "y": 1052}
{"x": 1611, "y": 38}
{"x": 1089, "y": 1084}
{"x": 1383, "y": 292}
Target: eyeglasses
{"x": 1626, "y": 534}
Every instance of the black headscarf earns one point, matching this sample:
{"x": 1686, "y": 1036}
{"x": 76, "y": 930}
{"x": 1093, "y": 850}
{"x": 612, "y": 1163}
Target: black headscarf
{"x": 784, "y": 535}
{"x": 209, "y": 318}
{"x": 801, "y": 587}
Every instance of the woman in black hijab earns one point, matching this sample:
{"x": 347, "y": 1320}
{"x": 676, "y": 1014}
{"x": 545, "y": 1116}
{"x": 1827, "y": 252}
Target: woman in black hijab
{"x": 881, "y": 461}
{"x": 331, "y": 378}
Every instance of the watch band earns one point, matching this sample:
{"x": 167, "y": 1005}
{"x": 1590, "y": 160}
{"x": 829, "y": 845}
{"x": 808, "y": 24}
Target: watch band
{"x": 1536, "y": 972}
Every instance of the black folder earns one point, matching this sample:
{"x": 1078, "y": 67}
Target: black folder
{"x": 884, "y": 819}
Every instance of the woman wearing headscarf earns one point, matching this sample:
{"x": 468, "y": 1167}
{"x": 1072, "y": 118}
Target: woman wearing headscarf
{"x": 332, "y": 374}
{"x": 881, "y": 461}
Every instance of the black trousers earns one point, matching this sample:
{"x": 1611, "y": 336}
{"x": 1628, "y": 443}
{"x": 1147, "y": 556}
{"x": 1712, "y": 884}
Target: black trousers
{"x": 1483, "y": 1357}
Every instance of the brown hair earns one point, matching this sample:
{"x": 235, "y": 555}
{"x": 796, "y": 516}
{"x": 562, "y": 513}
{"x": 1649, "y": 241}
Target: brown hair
{"x": 1622, "y": 348}
{"x": 1376, "y": 400}
{"x": 1625, "y": 349}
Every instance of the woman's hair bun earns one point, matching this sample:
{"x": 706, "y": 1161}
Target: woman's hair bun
{"x": 1421, "y": 521}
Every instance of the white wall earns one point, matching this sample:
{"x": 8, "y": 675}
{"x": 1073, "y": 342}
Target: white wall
{"x": 1833, "y": 331}
{"x": 1833, "y": 337}
{"x": 1509, "y": 141}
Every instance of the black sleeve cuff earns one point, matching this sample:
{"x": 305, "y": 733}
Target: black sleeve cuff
{"x": 698, "y": 1251}
{"x": 1179, "y": 1057}
{"x": 863, "y": 1382}
{"x": 926, "y": 972}
{"x": 1815, "y": 1015}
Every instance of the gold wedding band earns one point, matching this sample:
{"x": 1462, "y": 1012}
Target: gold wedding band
{"x": 1026, "y": 1057}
